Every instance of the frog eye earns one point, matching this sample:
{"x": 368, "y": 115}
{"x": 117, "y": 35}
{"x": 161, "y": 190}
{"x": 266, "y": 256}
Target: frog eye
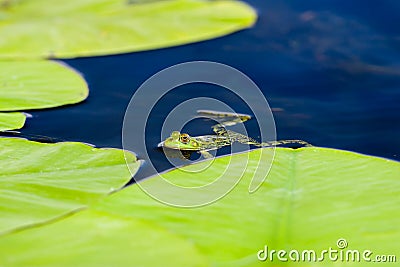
{"x": 184, "y": 138}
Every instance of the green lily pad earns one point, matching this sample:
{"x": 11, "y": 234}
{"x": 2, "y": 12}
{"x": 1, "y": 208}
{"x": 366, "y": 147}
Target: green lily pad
{"x": 11, "y": 121}
{"x": 41, "y": 182}
{"x": 41, "y": 28}
{"x": 39, "y": 84}
{"x": 311, "y": 198}
{"x": 93, "y": 239}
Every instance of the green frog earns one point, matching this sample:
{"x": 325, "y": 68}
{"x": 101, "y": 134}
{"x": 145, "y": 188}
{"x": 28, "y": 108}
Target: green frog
{"x": 222, "y": 137}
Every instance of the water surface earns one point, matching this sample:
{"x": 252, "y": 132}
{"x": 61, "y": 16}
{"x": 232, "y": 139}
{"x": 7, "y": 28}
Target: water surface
{"x": 330, "y": 69}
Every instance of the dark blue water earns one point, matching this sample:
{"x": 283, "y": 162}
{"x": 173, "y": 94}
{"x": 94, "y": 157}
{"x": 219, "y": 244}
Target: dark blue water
{"x": 331, "y": 69}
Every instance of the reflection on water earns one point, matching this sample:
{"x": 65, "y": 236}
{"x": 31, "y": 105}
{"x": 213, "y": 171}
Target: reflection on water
{"x": 329, "y": 69}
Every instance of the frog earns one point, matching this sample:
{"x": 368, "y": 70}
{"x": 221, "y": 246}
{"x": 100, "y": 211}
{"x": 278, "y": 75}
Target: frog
{"x": 222, "y": 137}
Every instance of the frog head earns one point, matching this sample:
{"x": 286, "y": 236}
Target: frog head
{"x": 181, "y": 141}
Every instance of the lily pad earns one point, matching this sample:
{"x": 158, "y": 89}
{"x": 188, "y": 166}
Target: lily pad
{"x": 39, "y": 84}
{"x": 41, "y": 182}
{"x": 312, "y": 198}
{"x": 40, "y": 28}
{"x": 92, "y": 239}
{"x": 11, "y": 121}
